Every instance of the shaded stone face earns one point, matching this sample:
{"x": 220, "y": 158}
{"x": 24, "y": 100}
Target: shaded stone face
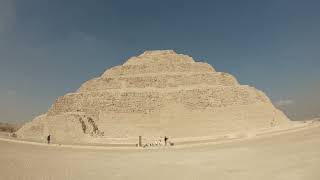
{"x": 154, "y": 94}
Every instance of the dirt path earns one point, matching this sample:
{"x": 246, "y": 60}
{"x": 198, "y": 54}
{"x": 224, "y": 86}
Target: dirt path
{"x": 293, "y": 156}
{"x": 179, "y": 143}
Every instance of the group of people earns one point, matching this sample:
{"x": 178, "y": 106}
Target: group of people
{"x": 158, "y": 143}
{"x": 165, "y": 140}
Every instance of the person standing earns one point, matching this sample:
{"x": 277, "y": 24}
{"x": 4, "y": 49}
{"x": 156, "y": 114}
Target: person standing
{"x": 48, "y": 138}
{"x": 165, "y": 140}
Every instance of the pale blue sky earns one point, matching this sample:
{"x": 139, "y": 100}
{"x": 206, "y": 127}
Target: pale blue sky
{"x": 50, "y": 47}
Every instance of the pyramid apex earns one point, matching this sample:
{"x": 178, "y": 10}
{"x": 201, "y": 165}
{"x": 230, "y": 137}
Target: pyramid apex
{"x": 158, "y": 52}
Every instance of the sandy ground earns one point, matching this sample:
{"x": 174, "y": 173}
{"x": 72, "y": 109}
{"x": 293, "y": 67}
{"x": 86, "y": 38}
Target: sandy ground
{"x": 294, "y": 155}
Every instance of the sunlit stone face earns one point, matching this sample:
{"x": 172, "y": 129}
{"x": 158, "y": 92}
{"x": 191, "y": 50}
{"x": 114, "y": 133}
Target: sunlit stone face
{"x": 154, "y": 94}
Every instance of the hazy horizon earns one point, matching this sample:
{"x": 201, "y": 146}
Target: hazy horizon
{"x": 49, "y": 48}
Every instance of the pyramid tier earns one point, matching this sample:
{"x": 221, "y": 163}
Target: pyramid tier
{"x": 152, "y": 99}
{"x": 173, "y": 120}
{"x": 159, "y": 81}
{"x": 160, "y": 56}
{"x": 160, "y": 67}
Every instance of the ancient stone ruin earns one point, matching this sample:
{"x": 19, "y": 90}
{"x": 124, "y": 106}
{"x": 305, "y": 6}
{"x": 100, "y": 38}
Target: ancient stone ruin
{"x": 154, "y": 94}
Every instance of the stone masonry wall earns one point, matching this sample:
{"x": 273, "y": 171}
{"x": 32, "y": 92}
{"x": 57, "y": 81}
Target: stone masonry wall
{"x": 159, "y": 81}
{"x": 149, "y": 101}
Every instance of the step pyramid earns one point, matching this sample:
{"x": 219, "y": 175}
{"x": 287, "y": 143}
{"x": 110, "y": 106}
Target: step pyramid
{"x": 155, "y": 94}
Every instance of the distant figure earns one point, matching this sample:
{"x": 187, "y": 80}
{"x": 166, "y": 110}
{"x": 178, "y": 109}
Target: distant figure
{"x": 48, "y": 138}
{"x": 165, "y": 140}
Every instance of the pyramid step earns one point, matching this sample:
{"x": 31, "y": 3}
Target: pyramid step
{"x": 149, "y": 100}
{"x": 153, "y": 80}
{"x": 135, "y": 69}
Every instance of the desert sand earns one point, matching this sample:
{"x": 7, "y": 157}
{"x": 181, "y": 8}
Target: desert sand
{"x": 290, "y": 155}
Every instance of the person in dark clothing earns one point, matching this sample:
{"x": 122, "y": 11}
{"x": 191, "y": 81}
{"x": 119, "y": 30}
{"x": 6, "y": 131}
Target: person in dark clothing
{"x": 165, "y": 140}
{"x": 48, "y": 138}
